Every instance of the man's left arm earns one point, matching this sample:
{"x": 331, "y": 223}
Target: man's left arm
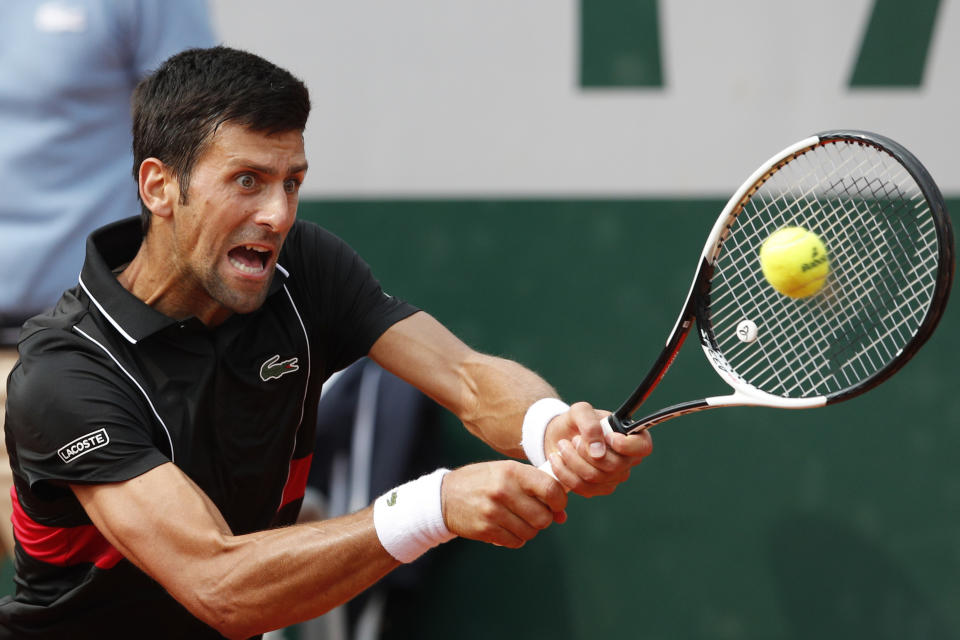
{"x": 491, "y": 396}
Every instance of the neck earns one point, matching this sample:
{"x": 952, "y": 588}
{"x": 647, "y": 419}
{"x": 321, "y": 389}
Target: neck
{"x": 160, "y": 285}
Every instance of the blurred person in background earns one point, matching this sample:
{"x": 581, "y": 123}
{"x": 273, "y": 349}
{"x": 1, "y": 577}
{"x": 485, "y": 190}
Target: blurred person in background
{"x": 67, "y": 72}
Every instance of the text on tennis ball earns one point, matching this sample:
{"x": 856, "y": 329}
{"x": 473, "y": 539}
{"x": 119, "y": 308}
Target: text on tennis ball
{"x": 795, "y": 262}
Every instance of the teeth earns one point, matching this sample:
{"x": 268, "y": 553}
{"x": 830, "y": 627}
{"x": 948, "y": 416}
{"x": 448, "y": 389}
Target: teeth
{"x": 257, "y": 249}
{"x": 245, "y": 268}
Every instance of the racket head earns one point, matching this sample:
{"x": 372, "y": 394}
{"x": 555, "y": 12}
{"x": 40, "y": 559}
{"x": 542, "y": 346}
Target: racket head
{"x": 884, "y": 223}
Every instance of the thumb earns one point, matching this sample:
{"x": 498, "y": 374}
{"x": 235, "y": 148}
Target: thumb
{"x": 587, "y": 422}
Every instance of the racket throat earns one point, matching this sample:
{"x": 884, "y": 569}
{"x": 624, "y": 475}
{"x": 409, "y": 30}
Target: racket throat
{"x": 667, "y": 413}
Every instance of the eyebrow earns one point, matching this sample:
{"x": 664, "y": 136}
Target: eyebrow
{"x": 240, "y": 162}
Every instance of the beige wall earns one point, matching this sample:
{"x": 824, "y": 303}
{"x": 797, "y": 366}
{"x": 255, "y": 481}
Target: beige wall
{"x": 480, "y": 97}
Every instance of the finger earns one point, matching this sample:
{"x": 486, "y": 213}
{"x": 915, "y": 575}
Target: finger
{"x": 611, "y": 462}
{"x": 637, "y": 446}
{"x": 501, "y": 537}
{"x": 580, "y": 486}
{"x": 528, "y": 503}
{"x": 586, "y": 469}
{"x": 531, "y": 516}
{"x": 524, "y": 519}
{"x": 513, "y": 532}
{"x": 612, "y": 468}
{"x": 544, "y": 488}
{"x": 562, "y": 472}
{"x": 587, "y": 421}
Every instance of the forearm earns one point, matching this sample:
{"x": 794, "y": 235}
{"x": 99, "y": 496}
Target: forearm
{"x": 489, "y": 394}
{"x": 500, "y": 392}
{"x": 271, "y": 579}
{"x": 240, "y": 585}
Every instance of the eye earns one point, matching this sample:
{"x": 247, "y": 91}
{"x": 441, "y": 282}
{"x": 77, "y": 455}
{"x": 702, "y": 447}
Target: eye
{"x": 291, "y": 186}
{"x": 246, "y": 181}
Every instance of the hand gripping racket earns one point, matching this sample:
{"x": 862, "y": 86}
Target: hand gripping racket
{"x": 889, "y": 242}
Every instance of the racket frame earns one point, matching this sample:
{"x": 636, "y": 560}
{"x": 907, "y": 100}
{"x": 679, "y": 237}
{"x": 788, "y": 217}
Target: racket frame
{"x": 695, "y": 309}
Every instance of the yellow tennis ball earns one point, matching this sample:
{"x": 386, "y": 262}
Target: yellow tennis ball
{"x": 795, "y": 262}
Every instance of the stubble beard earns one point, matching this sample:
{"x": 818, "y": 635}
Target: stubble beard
{"x": 233, "y": 298}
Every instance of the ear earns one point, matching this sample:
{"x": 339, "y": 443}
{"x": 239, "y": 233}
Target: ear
{"x": 159, "y": 189}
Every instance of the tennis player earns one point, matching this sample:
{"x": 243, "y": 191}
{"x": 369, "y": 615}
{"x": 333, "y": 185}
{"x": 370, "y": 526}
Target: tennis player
{"x": 161, "y": 419}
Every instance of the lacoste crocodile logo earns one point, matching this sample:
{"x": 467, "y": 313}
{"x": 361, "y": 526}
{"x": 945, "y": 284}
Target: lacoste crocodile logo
{"x": 392, "y": 500}
{"x": 273, "y": 368}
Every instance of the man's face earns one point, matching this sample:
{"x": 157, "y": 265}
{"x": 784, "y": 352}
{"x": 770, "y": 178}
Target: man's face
{"x": 241, "y": 202}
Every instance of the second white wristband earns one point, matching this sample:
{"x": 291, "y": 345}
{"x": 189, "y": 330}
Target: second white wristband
{"x": 409, "y": 518}
{"x": 535, "y": 423}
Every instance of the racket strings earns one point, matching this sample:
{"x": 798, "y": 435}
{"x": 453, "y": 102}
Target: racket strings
{"x": 768, "y": 207}
{"x": 854, "y": 301}
{"x": 882, "y": 246}
{"x": 864, "y": 290}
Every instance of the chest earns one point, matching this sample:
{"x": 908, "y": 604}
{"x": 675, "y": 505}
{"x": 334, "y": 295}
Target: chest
{"x": 232, "y": 407}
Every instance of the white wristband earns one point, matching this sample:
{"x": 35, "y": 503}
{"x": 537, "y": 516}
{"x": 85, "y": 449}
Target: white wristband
{"x": 535, "y": 423}
{"x": 409, "y": 518}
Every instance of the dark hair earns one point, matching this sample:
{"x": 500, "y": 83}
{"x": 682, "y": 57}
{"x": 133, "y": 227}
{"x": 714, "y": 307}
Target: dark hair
{"x": 178, "y": 107}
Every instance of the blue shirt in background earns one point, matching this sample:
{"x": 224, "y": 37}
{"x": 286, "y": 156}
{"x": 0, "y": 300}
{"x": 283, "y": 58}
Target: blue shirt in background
{"x": 67, "y": 71}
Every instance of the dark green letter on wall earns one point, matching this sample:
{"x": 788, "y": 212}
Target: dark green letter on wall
{"x": 895, "y": 45}
{"x": 620, "y": 44}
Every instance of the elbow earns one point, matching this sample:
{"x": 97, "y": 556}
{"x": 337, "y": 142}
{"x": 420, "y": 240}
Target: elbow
{"x": 236, "y": 631}
{"x": 214, "y": 598}
{"x": 219, "y": 609}
{"x": 226, "y": 620}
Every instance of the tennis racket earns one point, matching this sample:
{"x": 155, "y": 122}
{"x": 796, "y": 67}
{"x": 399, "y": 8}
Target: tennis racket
{"x": 889, "y": 241}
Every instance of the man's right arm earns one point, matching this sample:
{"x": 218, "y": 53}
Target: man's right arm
{"x": 244, "y": 585}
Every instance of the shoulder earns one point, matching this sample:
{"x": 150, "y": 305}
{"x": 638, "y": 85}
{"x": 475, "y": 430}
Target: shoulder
{"x": 63, "y": 373}
{"x": 311, "y": 249}
{"x": 64, "y": 333}
{"x": 306, "y": 235}
{"x": 51, "y": 334}
{"x": 68, "y": 400}
{"x": 55, "y": 364}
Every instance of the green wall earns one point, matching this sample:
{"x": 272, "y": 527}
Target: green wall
{"x": 745, "y": 523}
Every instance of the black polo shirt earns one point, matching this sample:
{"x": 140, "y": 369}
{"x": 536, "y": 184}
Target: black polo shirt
{"x": 107, "y": 388}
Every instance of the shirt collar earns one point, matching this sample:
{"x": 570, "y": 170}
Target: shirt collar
{"x": 113, "y": 246}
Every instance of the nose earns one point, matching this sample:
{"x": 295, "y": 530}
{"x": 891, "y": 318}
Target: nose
{"x": 277, "y": 211}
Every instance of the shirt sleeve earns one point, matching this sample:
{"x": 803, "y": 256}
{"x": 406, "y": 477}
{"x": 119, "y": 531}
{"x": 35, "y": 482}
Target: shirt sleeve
{"x": 75, "y": 419}
{"x": 351, "y": 308}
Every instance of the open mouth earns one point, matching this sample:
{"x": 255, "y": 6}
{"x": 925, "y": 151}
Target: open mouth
{"x": 250, "y": 259}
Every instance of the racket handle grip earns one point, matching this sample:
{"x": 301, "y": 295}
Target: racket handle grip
{"x": 547, "y": 468}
